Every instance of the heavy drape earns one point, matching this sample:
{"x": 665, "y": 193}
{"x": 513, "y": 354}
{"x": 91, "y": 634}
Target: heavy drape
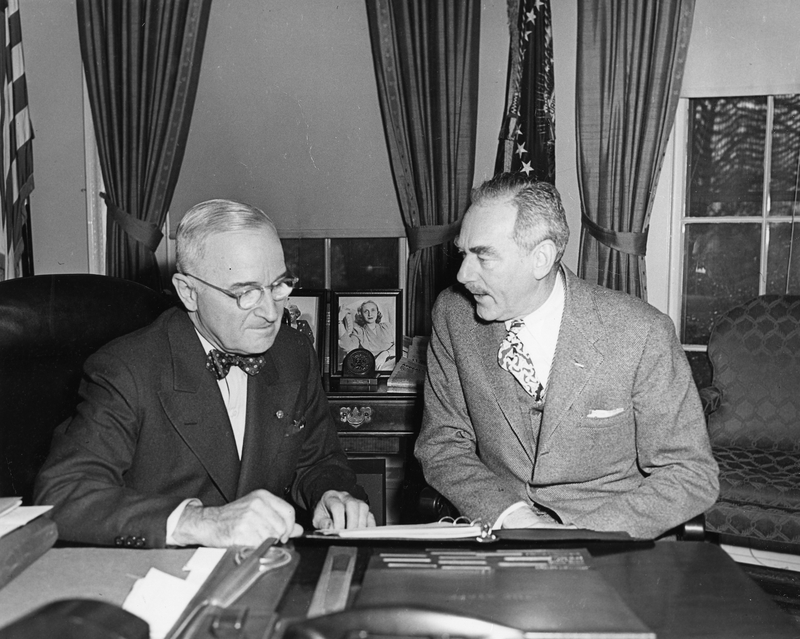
{"x": 426, "y": 64}
{"x": 631, "y": 56}
{"x": 142, "y": 64}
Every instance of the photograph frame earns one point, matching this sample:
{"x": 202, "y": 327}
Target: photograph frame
{"x": 389, "y": 303}
{"x": 312, "y": 305}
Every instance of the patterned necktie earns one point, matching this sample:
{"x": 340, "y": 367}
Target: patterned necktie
{"x": 513, "y": 358}
{"x": 220, "y": 363}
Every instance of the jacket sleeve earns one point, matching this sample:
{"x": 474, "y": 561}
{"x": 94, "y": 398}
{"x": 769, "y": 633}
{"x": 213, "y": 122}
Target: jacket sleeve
{"x": 447, "y": 443}
{"x": 678, "y": 476}
{"x": 83, "y": 476}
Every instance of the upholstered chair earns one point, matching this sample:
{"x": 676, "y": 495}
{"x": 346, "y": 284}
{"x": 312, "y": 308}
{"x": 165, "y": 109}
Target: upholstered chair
{"x": 49, "y": 325}
{"x": 754, "y": 423}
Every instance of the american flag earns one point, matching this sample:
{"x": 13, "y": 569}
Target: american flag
{"x": 17, "y": 179}
{"x": 527, "y": 139}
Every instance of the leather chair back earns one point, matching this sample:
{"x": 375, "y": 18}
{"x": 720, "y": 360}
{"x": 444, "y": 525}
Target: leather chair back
{"x": 49, "y": 325}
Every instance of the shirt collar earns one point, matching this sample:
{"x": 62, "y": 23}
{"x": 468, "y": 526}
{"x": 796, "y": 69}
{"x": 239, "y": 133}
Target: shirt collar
{"x": 552, "y": 306}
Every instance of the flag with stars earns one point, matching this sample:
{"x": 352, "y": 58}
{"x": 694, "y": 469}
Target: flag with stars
{"x": 527, "y": 138}
{"x": 17, "y": 141}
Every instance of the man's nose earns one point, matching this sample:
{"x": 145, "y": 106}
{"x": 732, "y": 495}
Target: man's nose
{"x": 466, "y": 272}
{"x": 269, "y": 309}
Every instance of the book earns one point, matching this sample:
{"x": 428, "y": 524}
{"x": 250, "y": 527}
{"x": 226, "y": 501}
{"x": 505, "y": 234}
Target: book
{"x": 7, "y": 504}
{"x": 24, "y": 544}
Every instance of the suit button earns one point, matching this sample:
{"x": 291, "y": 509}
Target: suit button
{"x": 119, "y": 541}
{"x": 287, "y": 490}
{"x": 140, "y": 542}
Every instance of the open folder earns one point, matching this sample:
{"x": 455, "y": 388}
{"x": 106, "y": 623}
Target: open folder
{"x": 461, "y": 528}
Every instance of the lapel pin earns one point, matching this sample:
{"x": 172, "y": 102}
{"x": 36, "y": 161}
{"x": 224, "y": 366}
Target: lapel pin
{"x": 279, "y": 414}
{"x": 579, "y": 365}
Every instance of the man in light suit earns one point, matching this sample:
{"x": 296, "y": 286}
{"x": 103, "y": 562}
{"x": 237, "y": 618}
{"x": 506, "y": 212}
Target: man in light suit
{"x": 604, "y": 431}
{"x": 179, "y": 442}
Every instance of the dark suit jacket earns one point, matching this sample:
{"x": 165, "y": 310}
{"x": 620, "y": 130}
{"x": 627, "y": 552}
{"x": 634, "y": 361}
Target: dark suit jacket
{"x": 152, "y": 430}
{"x": 623, "y": 442}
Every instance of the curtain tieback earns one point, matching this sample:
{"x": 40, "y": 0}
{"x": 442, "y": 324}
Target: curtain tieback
{"x": 143, "y": 232}
{"x": 625, "y": 242}
{"x": 420, "y": 237}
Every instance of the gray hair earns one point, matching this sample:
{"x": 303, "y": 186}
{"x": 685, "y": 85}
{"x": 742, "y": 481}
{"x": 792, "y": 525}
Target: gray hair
{"x": 540, "y": 213}
{"x": 209, "y": 218}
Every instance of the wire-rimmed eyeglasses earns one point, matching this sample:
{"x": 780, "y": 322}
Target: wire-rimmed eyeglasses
{"x": 251, "y": 297}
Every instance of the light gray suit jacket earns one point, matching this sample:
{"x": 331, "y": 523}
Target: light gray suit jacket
{"x": 623, "y": 442}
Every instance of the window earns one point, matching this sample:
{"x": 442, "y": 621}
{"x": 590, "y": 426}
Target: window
{"x": 341, "y": 263}
{"x": 740, "y": 234}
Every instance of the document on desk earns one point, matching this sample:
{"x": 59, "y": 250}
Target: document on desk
{"x": 450, "y": 530}
{"x": 160, "y": 598}
{"x": 439, "y": 530}
{"x": 552, "y": 592}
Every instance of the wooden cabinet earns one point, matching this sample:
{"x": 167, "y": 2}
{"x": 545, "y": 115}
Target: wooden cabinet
{"x": 377, "y": 430}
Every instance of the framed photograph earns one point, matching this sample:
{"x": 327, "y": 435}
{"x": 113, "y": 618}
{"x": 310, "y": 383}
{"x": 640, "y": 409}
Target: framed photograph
{"x": 367, "y": 319}
{"x": 305, "y": 312}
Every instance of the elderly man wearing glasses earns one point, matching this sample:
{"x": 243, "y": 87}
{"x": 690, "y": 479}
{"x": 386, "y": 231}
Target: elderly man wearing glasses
{"x": 210, "y": 426}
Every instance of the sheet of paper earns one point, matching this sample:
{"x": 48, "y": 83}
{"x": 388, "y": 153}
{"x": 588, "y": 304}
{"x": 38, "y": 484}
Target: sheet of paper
{"x": 19, "y": 516}
{"x": 160, "y": 598}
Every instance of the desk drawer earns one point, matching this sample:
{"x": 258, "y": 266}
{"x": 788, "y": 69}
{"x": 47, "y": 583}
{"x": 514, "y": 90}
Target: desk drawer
{"x": 376, "y": 414}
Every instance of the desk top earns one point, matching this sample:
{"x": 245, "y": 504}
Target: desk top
{"x": 678, "y": 589}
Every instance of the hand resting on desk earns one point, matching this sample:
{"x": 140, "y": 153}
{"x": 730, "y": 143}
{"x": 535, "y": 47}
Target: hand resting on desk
{"x": 245, "y": 522}
{"x": 255, "y": 517}
{"x": 337, "y": 509}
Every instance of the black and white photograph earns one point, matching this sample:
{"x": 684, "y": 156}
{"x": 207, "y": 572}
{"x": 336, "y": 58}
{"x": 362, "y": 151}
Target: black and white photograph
{"x": 370, "y": 320}
{"x": 304, "y": 312}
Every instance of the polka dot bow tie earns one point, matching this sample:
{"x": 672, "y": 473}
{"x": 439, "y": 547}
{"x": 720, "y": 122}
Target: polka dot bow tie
{"x": 220, "y": 363}
{"x": 513, "y": 358}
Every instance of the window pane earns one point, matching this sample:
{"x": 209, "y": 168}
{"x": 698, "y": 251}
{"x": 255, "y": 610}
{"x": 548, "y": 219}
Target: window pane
{"x": 726, "y": 156}
{"x": 785, "y": 153}
{"x": 778, "y": 256}
{"x": 721, "y": 269}
{"x": 305, "y": 258}
{"x": 362, "y": 263}
{"x": 701, "y": 368}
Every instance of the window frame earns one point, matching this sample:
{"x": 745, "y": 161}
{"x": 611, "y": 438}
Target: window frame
{"x": 680, "y": 222}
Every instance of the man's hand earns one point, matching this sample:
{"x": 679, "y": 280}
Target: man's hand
{"x": 245, "y": 522}
{"x": 338, "y": 509}
{"x": 527, "y": 518}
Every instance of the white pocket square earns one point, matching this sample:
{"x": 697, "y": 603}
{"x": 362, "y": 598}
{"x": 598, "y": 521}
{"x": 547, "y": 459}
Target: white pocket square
{"x": 605, "y": 414}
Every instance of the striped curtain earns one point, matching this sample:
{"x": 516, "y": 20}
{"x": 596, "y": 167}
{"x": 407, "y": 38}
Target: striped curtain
{"x": 425, "y": 54}
{"x": 142, "y": 60}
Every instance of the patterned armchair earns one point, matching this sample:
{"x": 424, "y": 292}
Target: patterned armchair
{"x": 753, "y": 413}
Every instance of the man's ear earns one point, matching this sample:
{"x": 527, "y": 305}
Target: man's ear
{"x": 544, "y": 258}
{"x": 186, "y": 291}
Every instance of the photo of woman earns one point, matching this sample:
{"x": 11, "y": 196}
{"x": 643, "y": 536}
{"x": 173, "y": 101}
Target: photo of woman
{"x": 302, "y": 313}
{"x": 363, "y": 323}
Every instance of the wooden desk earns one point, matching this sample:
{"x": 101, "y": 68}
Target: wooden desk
{"x": 377, "y": 430}
{"x": 680, "y": 590}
